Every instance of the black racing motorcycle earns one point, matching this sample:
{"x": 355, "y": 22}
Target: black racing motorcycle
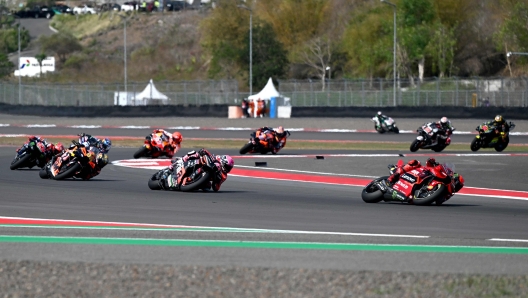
{"x": 429, "y": 138}
{"x": 194, "y": 175}
{"x": 490, "y": 137}
{"x": 33, "y": 153}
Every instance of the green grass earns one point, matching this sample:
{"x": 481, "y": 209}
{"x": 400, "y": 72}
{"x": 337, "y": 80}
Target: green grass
{"x": 296, "y": 144}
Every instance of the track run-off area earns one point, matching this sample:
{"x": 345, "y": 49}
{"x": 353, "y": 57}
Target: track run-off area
{"x": 302, "y": 210}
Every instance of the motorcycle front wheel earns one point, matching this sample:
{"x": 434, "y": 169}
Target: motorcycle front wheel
{"x": 20, "y": 162}
{"x": 395, "y": 129}
{"x": 371, "y": 194}
{"x": 502, "y": 145}
{"x": 415, "y": 145}
{"x": 141, "y": 152}
{"x": 475, "y": 144}
{"x": 246, "y": 148}
{"x": 43, "y": 173}
{"x": 154, "y": 184}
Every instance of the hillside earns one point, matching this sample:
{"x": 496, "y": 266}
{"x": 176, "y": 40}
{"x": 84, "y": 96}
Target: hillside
{"x": 159, "y": 46}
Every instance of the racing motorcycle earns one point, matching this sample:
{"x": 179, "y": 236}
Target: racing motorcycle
{"x": 421, "y": 186}
{"x": 69, "y": 164}
{"x": 256, "y": 145}
{"x": 31, "y": 154}
{"x": 426, "y": 139}
{"x": 153, "y": 147}
{"x": 489, "y": 137}
{"x": 194, "y": 174}
{"x": 387, "y": 125}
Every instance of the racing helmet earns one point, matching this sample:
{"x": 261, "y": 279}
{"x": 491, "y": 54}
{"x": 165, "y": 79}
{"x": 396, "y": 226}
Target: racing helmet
{"x": 177, "y": 137}
{"x": 59, "y": 147}
{"x": 280, "y": 131}
{"x": 499, "y": 119}
{"x": 102, "y": 160}
{"x": 107, "y": 144}
{"x": 227, "y": 162}
{"x": 379, "y": 113}
{"x": 444, "y": 120}
{"x": 431, "y": 162}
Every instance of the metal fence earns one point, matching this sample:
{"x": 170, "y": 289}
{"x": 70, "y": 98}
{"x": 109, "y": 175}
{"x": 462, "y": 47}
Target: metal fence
{"x": 338, "y": 93}
{"x": 429, "y": 92}
{"x": 179, "y": 93}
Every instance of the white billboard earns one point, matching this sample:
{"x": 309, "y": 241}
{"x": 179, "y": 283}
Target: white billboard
{"x": 29, "y": 66}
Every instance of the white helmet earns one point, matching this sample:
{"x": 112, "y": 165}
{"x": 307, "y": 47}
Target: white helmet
{"x": 443, "y": 120}
{"x": 379, "y": 113}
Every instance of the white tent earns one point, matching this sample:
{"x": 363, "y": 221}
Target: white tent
{"x": 150, "y": 95}
{"x": 266, "y": 93}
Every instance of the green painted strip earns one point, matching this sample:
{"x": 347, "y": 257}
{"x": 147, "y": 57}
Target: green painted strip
{"x": 270, "y": 245}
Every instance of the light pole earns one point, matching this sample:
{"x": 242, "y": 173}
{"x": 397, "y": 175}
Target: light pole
{"x": 250, "y": 47}
{"x": 393, "y": 51}
{"x": 125, "y": 56}
{"x": 19, "y": 72}
{"x": 329, "y": 76}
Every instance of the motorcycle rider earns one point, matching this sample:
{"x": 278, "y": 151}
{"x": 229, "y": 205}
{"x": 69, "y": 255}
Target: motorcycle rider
{"x": 279, "y": 139}
{"x": 266, "y": 135}
{"x": 453, "y": 185}
{"x": 380, "y": 118}
{"x": 500, "y": 125}
{"x": 440, "y": 130}
{"x": 90, "y": 141}
{"x": 223, "y": 163}
{"x": 98, "y": 160}
{"x": 51, "y": 149}
{"x": 174, "y": 141}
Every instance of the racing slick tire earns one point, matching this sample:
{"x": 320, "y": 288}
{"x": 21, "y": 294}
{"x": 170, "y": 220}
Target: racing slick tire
{"x": 43, "y": 173}
{"x": 476, "y": 144}
{"x": 371, "y": 194}
{"x": 154, "y": 184}
{"x": 396, "y": 130}
{"x": 439, "y": 148}
{"x": 431, "y": 197}
{"x": 141, "y": 152}
{"x": 69, "y": 172}
{"x": 499, "y": 147}
{"x": 21, "y": 162}
{"x": 415, "y": 145}
{"x": 246, "y": 148}
{"x": 197, "y": 184}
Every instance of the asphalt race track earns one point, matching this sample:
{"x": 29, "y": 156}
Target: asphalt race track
{"x": 302, "y": 214}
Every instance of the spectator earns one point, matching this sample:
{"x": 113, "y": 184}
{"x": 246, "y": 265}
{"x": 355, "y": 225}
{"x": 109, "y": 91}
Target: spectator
{"x": 245, "y": 108}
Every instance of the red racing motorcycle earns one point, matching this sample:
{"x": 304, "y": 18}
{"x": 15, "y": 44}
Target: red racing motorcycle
{"x": 420, "y": 186}
{"x": 153, "y": 147}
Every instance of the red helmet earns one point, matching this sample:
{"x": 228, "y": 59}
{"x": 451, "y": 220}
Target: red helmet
{"x": 59, "y": 147}
{"x": 177, "y": 137}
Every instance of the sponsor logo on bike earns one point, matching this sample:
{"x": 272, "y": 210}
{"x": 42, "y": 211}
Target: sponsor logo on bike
{"x": 408, "y": 178}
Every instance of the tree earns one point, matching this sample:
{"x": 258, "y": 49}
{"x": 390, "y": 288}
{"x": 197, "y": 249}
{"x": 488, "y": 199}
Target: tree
{"x": 61, "y": 44}
{"x": 317, "y": 53}
{"x": 6, "y": 66}
{"x": 40, "y": 57}
{"x": 441, "y": 49}
{"x": 269, "y": 55}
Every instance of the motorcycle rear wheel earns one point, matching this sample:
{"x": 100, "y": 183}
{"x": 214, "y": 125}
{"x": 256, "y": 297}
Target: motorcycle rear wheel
{"x": 21, "y": 162}
{"x": 415, "y": 146}
{"x": 141, "y": 152}
{"x": 430, "y": 197}
{"x": 476, "y": 144}
{"x": 246, "y": 148}
{"x": 197, "y": 184}
{"x": 371, "y": 194}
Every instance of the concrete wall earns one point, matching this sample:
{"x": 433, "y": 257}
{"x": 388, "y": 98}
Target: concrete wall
{"x": 222, "y": 111}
